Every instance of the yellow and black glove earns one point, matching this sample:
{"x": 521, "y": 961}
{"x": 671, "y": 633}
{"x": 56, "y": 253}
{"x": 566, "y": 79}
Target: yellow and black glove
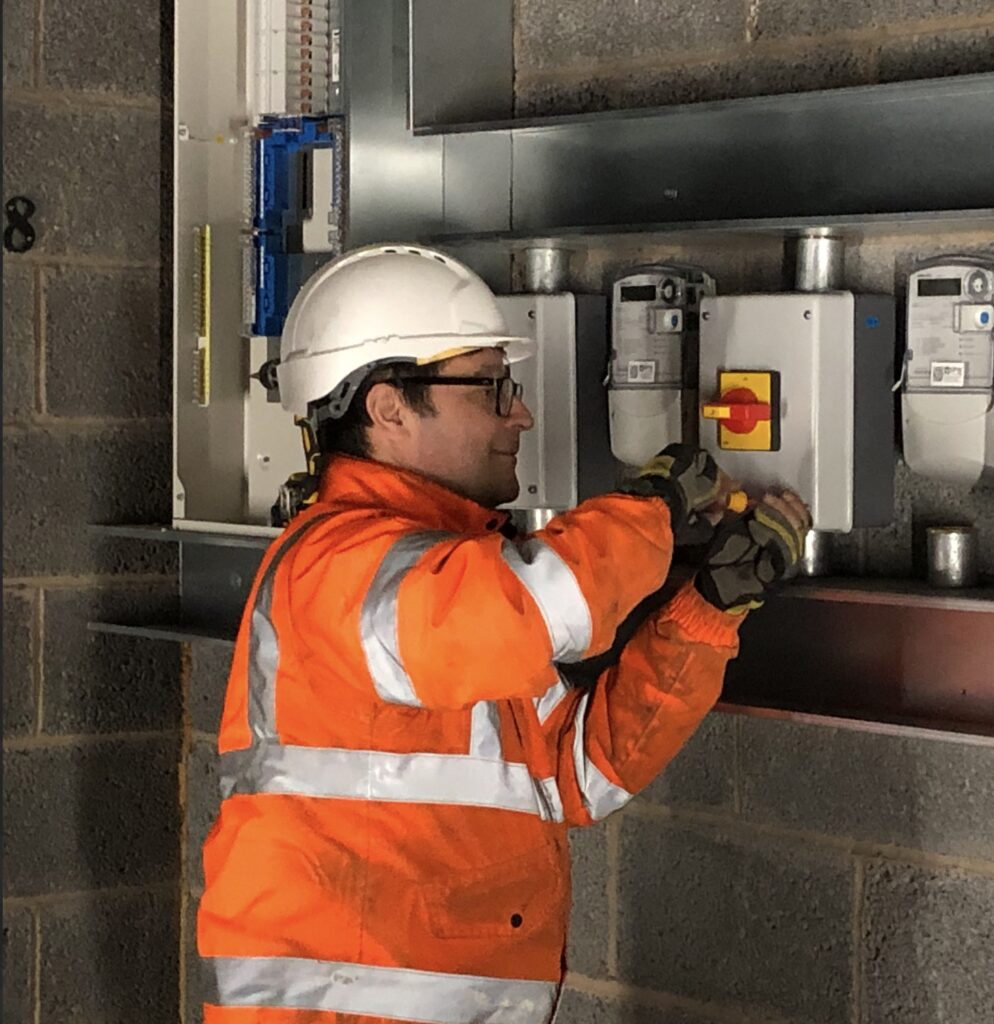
{"x": 749, "y": 558}
{"x": 686, "y": 478}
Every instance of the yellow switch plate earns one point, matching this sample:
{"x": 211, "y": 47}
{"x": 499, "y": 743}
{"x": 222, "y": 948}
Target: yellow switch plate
{"x": 765, "y": 385}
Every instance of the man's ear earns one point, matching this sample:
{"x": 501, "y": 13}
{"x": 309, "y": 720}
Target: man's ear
{"x": 386, "y": 407}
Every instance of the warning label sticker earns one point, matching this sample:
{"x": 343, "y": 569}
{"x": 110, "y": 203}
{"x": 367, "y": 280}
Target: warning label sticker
{"x": 641, "y": 372}
{"x": 947, "y": 375}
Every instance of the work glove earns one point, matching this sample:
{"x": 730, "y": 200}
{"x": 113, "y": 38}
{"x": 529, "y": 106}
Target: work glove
{"x": 749, "y": 558}
{"x": 686, "y": 478}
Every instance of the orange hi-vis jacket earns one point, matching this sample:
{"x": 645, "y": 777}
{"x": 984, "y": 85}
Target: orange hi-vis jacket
{"x": 401, "y": 758}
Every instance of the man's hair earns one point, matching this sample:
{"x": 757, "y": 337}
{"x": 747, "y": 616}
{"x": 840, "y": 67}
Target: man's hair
{"x": 350, "y": 434}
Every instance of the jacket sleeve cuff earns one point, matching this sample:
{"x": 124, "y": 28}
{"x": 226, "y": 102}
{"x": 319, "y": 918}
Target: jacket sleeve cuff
{"x": 701, "y": 621}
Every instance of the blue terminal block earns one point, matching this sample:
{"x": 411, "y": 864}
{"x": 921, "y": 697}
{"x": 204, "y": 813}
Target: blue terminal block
{"x": 297, "y": 215}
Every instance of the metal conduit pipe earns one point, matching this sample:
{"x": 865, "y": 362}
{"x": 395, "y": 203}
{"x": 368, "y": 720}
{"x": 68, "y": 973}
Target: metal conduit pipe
{"x": 820, "y": 267}
{"x": 546, "y": 270}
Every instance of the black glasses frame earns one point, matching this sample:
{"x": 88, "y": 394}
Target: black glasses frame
{"x": 506, "y": 389}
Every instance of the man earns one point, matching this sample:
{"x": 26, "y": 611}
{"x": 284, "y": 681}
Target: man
{"x": 401, "y": 757}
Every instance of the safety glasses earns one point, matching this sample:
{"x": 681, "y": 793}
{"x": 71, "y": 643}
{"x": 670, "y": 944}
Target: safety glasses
{"x": 505, "y": 389}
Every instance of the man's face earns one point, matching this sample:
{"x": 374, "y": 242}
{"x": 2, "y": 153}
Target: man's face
{"x": 466, "y": 445}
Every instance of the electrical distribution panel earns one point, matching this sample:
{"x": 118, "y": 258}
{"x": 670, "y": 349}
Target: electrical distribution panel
{"x": 797, "y": 392}
{"x": 652, "y": 376}
{"x": 258, "y": 208}
{"x": 948, "y": 391}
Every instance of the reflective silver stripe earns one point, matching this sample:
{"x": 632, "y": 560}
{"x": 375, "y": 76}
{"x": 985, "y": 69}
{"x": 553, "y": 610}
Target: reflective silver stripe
{"x": 263, "y": 653}
{"x": 394, "y": 992}
{"x": 553, "y": 587}
{"x": 549, "y": 701}
{"x": 600, "y": 796}
{"x": 548, "y": 792}
{"x": 484, "y": 737}
{"x": 378, "y": 620}
{"x": 373, "y": 775}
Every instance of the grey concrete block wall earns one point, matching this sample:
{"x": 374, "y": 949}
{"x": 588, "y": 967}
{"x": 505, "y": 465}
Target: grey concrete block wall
{"x": 849, "y": 878}
{"x": 693, "y": 905}
{"x": 112, "y": 958}
{"x": 926, "y": 794}
{"x": 927, "y": 945}
{"x": 206, "y": 681}
{"x": 92, "y": 731}
{"x": 128, "y": 379}
{"x": 108, "y": 47}
{"x": 603, "y": 55}
{"x": 110, "y": 815}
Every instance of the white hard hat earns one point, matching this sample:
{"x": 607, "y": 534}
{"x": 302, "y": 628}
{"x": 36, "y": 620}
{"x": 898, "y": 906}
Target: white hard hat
{"x": 379, "y": 304}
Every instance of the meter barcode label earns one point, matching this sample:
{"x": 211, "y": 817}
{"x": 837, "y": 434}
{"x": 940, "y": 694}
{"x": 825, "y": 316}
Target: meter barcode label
{"x": 948, "y": 375}
{"x": 641, "y": 372}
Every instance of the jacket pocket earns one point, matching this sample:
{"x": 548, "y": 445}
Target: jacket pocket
{"x": 505, "y": 898}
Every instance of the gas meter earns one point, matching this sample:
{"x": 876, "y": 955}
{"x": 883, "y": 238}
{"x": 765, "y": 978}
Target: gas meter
{"x": 949, "y": 369}
{"x": 652, "y": 379}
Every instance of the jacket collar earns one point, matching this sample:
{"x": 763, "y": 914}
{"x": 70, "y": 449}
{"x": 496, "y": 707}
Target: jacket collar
{"x": 349, "y": 483}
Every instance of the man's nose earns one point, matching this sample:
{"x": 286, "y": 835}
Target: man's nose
{"x": 520, "y": 415}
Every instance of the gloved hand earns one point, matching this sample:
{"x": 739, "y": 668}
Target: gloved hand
{"x": 687, "y": 479}
{"x": 752, "y": 556}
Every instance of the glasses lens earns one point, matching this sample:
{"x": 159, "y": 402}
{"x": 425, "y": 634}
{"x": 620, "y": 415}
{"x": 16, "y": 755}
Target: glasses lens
{"x": 505, "y": 396}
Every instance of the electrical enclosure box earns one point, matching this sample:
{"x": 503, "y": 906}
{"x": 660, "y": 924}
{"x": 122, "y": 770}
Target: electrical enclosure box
{"x": 948, "y": 394}
{"x": 796, "y": 392}
{"x": 566, "y": 456}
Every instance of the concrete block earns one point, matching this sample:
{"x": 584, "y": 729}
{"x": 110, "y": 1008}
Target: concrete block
{"x": 780, "y": 18}
{"x": 549, "y": 35}
{"x": 111, "y": 46}
{"x": 18, "y": 46}
{"x": 584, "y": 1008}
{"x": 55, "y": 483}
{"x": 209, "y": 665}
{"x": 927, "y": 945}
{"x": 757, "y": 75}
{"x": 107, "y": 351}
{"x": 93, "y": 175}
{"x": 94, "y": 682}
{"x": 19, "y": 698}
{"x": 194, "y": 996}
{"x": 18, "y": 338}
{"x": 202, "y": 803}
{"x": 703, "y": 773}
{"x": 969, "y": 52}
{"x": 587, "y": 952}
{"x": 110, "y": 957}
{"x": 928, "y": 794}
{"x": 18, "y": 965}
{"x": 90, "y": 815}
{"x": 708, "y": 917}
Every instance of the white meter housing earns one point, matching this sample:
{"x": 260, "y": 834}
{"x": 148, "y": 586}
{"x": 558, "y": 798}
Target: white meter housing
{"x": 796, "y": 392}
{"x": 948, "y": 389}
{"x": 652, "y": 379}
